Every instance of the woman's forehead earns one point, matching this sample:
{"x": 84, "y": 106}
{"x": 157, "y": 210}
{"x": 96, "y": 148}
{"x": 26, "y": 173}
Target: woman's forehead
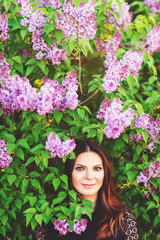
{"x": 89, "y": 159}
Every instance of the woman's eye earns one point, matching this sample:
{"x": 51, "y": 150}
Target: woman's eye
{"x": 97, "y": 169}
{"x": 79, "y": 168}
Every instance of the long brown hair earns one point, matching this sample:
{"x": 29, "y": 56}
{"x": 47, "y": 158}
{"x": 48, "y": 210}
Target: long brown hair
{"x": 109, "y": 210}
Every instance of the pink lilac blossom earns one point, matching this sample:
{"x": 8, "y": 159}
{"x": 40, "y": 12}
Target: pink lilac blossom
{"x": 79, "y": 227}
{"x": 152, "y": 172}
{"x": 71, "y": 87}
{"x": 118, "y": 70}
{"x": 4, "y": 27}
{"x": 100, "y": 45}
{"x": 152, "y": 42}
{"x": 17, "y": 94}
{"x": 79, "y": 22}
{"x": 63, "y": 227}
{"x": 114, "y": 118}
{"x": 150, "y": 125}
{"x": 57, "y": 147}
{"x": 52, "y": 53}
{"x": 34, "y": 20}
{"x": 55, "y": 4}
{"x": 5, "y": 159}
{"x": 125, "y": 16}
{"x": 5, "y": 68}
{"x": 49, "y": 97}
{"x": 110, "y": 47}
{"x": 154, "y": 6}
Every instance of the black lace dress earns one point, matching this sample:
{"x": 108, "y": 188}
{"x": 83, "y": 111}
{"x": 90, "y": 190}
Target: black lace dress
{"x": 130, "y": 231}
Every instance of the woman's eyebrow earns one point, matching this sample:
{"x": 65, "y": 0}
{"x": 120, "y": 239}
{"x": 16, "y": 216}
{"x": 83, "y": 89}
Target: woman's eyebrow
{"x": 98, "y": 165}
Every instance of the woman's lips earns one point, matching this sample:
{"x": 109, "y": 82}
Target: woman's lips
{"x": 88, "y": 185}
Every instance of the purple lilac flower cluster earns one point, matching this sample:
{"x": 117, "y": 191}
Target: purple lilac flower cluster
{"x": 5, "y": 68}
{"x": 57, "y": 147}
{"x": 35, "y": 21}
{"x": 118, "y": 70}
{"x": 152, "y": 42}
{"x": 150, "y": 125}
{"x": 152, "y": 172}
{"x": 52, "y": 53}
{"x": 17, "y": 92}
{"x": 125, "y": 16}
{"x": 55, "y": 4}
{"x": 63, "y": 227}
{"x": 114, "y": 118}
{"x": 100, "y": 45}
{"x": 154, "y": 6}
{"x": 5, "y": 159}
{"x": 4, "y": 27}
{"x": 71, "y": 87}
{"x": 79, "y": 22}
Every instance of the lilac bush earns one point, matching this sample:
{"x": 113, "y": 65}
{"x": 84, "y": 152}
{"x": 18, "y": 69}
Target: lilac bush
{"x": 62, "y": 63}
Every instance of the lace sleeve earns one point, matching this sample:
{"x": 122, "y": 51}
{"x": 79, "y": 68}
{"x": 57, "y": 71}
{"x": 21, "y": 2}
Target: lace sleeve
{"x": 40, "y": 232}
{"x": 130, "y": 226}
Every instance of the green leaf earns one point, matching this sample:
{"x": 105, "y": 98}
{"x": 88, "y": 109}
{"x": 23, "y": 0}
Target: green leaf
{"x": 145, "y": 136}
{"x": 31, "y": 61}
{"x": 49, "y": 177}
{"x": 73, "y": 43}
{"x": 10, "y": 138}
{"x": 65, "y": 210}
{"x": 78, "y": 211}
{"x": 139, "y": 149}
{"x": 30, "y": 210}
{"x": 39, "y": 218}
{"x": 23, "y": 143}
{"x": 33, "y": 223}
{"x": 18, "y": 203}
{"x": 35, "y": 183}
{"x": 81, "y": 112}
{"x": 76, "y": 2}
{"x": 17, "y": 59}
{"x": 59, "y": 35}
{"x": 11, "y": 179}
{"x": 23, "y": 33}
{"x": 131, "y": 175}
{"x": 10, "y": 147}
{"x": 73, "y": 194}
{"x": 56, "y": 182}
{"x": 41, "y": 65}
{"x": 57, "y": 115}
{"x": 7, "y": 4}
{"x": 32, "y": 200}
{"x": 44, "y": 206}
{"x": 37, "y": 147}
{"x": 151, "y": 206}
{"x": 20, "y": 153}
{"x": 4, "y": 219}
{"x": 156, "y": 220}
{"x": 34, "y": 174}
{"x": 92, "y": 88}
{"x": 125, "y": 137}
{"x": 64, "y": 179}
{"x": 139, "y": 108}
{"x": 29, "y": 70}
{"x": 30, "y": 160}
{"x": 129, "y": 166}
{"x": 45, "y": 157}
{"x": 146, "y": 217}
{"x": 24, "y": 185}
{"x": 88, "y": 210}
{"x": 28, "y": 218}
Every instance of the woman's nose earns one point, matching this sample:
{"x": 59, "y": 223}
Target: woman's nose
{"x": 89, "y": 174}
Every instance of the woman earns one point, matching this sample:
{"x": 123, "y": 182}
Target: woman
{"x": 90, "y": 175}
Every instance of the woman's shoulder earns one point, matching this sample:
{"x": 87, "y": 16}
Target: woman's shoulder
{"x": 130, "y": 225}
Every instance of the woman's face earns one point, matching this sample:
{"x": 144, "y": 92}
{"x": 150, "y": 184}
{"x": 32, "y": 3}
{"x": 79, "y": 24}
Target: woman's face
{"x": 88, "y": 175}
